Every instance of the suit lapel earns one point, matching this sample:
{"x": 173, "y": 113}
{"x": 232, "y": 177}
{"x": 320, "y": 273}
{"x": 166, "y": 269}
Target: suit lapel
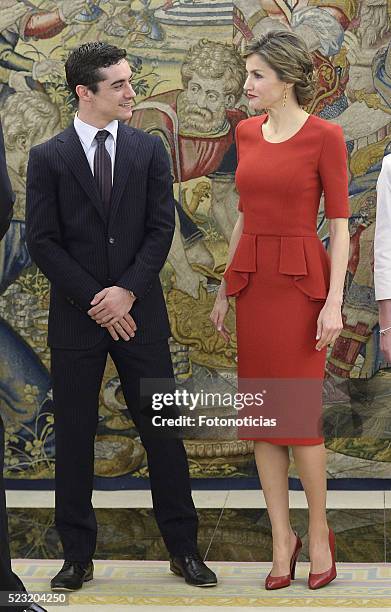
{"x": 127, "y": 141}
{"x": 72, "y": 152}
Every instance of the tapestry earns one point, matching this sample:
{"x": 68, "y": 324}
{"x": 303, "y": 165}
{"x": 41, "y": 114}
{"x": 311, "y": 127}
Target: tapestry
{"x": 188, "y": 75}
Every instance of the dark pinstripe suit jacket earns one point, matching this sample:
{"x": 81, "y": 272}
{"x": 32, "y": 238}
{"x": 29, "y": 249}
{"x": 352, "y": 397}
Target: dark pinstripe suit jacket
{"x": 81, "y": 252}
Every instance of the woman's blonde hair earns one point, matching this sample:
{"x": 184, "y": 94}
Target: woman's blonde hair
{"x": 288, "y": 55}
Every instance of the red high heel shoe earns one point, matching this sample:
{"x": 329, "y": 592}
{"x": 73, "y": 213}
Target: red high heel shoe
{"x": 316, "y": 581}
{"x": 280, "y": 582}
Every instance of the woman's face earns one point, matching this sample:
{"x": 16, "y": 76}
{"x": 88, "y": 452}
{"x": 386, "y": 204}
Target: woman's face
{"x": 263, "y": 87}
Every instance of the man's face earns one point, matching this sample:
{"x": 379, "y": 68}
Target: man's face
{"x": 114, "y": 98}
{"x": 203, "y": 104}
{"x": 206, "y": 94}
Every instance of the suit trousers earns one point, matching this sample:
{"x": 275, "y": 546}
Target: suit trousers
{"x": 8, "y": 580}
{"x": 77, "y": 377}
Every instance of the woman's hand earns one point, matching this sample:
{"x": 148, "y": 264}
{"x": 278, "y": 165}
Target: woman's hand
{"x": 218, "y": 313}
{"x": 385, "y": 345}
{"x": 329, "y": 324}
{"x": 385, "y": 323}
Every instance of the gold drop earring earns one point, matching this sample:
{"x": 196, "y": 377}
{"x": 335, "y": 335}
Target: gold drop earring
{"x": 285, "y": 96}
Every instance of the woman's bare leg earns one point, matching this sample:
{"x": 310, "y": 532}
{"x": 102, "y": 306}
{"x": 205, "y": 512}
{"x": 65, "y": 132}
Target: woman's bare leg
{"x": 273, "y": 463}
{"x": 310, "y": 462}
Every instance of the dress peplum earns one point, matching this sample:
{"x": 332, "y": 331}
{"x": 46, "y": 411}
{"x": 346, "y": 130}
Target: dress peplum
{"x": 280, "y": 271}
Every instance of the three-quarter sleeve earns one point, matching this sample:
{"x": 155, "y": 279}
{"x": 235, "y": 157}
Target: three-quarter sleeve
{"x": 333, "y": 172}
{"x": 382, "y": 246}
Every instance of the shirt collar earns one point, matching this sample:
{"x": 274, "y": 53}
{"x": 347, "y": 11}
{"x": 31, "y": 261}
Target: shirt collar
{"x": 87, "y": 132}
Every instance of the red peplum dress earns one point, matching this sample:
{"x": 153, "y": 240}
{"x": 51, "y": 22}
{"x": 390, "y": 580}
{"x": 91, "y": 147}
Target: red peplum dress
{"x": 280, "y": 271}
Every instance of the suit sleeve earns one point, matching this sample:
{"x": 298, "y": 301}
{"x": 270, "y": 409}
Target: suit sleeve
{"x": 333, "y": 171}
{"x": 43, "y": 234}
{"x": 382, "y": 246}
{"x": 159, "y": 226}
{"x": 6, "y": 195}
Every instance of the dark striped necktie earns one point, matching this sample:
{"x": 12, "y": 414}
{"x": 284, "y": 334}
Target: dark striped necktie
{"x": 102, "y": 169}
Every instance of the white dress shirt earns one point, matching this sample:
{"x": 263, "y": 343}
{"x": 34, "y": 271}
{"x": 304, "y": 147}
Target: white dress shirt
{"x": 383, "y": 233}
{"x": 86, "y": 134}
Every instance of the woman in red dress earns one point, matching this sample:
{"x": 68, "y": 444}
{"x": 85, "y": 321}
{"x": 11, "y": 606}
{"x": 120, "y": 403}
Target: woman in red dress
{"x": 288, "y": 289}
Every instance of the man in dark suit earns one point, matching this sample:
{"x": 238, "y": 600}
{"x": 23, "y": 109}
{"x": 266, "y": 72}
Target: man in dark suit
{"x": 100, "y": 220}
{"x": 9, "y": 582}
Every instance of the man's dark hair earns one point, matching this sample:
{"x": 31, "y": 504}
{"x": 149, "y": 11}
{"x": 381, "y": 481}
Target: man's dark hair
{"x": 84, "y": 63}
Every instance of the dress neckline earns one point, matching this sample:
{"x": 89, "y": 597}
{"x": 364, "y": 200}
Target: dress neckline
{"x": 287, "y": 139}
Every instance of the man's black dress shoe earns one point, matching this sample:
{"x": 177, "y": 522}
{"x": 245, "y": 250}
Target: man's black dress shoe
{"x": 192, "y": 568}
{"x": 71, "y": 576}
